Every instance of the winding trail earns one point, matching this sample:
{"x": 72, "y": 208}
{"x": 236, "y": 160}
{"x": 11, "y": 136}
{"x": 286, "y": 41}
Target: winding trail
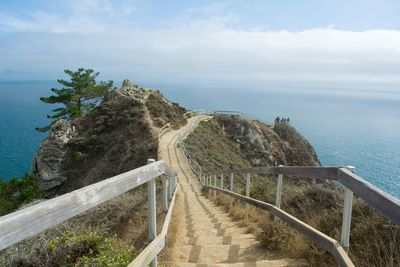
{"x": 203, "y": 234}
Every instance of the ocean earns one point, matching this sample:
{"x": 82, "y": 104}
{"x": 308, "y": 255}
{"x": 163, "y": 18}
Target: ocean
{"x": 345, "y": 128}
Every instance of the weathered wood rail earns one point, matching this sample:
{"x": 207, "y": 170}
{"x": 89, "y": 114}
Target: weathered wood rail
{"x": 383, "y": 202}
{"x": 161, "y": 132}
{"x": 386, "y": 204}
{"x": 25, "y": 223}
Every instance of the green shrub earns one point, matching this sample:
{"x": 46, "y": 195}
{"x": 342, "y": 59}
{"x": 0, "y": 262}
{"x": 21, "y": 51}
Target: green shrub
{"x": 16, "y": 192}
{"x": 90, "y": 249}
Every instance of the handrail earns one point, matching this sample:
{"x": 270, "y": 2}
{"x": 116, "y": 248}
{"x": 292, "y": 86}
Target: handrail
{"x": 190, "y": 112}
{"x": 161, "y": 131}
{"x": 230, "y": 112}
{"x": 194, "y": 166}
{"x": 316, "y": 172}
{"x": 328, "y": 243}
{"x": 22, "y": 224}
{"x": 151, "y": 251}
{"x": 386, "y": 204}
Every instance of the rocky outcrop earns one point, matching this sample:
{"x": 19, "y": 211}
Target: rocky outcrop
{"x": 264, "y": 145}
{"x": 115, "y": 137}
{"x": 48, "y": 160}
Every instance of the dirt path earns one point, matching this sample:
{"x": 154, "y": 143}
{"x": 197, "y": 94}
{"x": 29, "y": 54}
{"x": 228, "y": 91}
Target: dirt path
{"x": 202, "y": 234}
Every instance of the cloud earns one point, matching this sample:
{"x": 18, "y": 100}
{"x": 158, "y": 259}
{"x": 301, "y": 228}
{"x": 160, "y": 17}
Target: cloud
{"x": 203, "y": 50}
{"x": 89, "y": 16}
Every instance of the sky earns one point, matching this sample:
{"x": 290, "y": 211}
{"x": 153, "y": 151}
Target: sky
{"x": 328, "y": 44}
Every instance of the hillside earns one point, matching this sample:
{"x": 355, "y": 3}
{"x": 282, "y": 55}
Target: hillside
{"x": 117, "y": 136}
{"x": 229, "y": 141}
{"x": 237, "y": 142}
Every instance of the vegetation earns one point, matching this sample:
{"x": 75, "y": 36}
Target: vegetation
{"x": 16, "y": 192}
{"x": 212, "y": 150}
{"x": 90, "y": 249}
{"x": 163, "y": 112}
{"x": 78, "y": 96}
{"x": 374, "y": 241}
{"x": 299, "y": 149}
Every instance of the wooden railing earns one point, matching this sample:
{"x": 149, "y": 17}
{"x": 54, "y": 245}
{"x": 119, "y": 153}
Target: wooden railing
{"x": 161, "y": 131}
{"x": 386, "y": 204}
{"x": 230, "y": 112}
{"x": 194, "y": 166}
{"x": 25, "y": 223}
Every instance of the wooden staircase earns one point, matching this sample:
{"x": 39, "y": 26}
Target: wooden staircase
{"x": 205, "y": 235}
{"x": 209, "y": 237}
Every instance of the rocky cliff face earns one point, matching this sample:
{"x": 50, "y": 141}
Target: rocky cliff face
{"x": 228, "y": 141}
{"x": 265, "y": 145}
{"x": 117, "y": 136}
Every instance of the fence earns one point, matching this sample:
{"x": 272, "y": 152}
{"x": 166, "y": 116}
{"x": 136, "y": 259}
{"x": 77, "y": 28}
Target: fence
{"x": 161, "y": 131}
{"x": 25, "y": 223}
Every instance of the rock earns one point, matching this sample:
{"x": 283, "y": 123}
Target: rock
{"x": 47, "y": 162}
{"x": 117, "y": 136}
{"x": 127, "y": 83}
{"x": 264, "y": 145}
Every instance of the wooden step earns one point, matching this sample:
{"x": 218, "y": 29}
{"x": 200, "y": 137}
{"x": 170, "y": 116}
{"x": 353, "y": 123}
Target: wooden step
{"x": 221, "y": 253}
{"x": 209, "y": 226}
{"x": 198, "y": 230}
{"x": 261, "y": 263}
{"x": 205, "y": 239}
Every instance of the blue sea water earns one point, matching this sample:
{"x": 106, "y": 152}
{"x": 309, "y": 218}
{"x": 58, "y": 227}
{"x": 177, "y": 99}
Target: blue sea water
{"x": 356, "y": 129}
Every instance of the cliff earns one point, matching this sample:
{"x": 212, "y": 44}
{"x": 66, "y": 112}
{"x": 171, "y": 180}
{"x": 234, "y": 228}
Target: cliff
{"x": 237, "y": 142}
{"x": 117, "y": 136}
{"x": 264, "y": 145}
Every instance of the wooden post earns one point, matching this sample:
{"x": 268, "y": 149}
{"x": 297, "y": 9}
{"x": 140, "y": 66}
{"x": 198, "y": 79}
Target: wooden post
{"x": 151, "y": 192}
{"x": 175, "y": 181}
{"x": 215, "y": 185}
{"x": 247, "y": 194}
{"x": 170, "y": 187}
{"x": 222, "y": 181}
{"x": 231, "y": 188}
{"x": 346, "y": 220}
{"x": 209, "y": 184}
{"x": 165, "y": 193}
{"x": 279, "y": 191}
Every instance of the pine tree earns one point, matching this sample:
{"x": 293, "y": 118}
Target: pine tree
{"x": 79, "y": 95}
